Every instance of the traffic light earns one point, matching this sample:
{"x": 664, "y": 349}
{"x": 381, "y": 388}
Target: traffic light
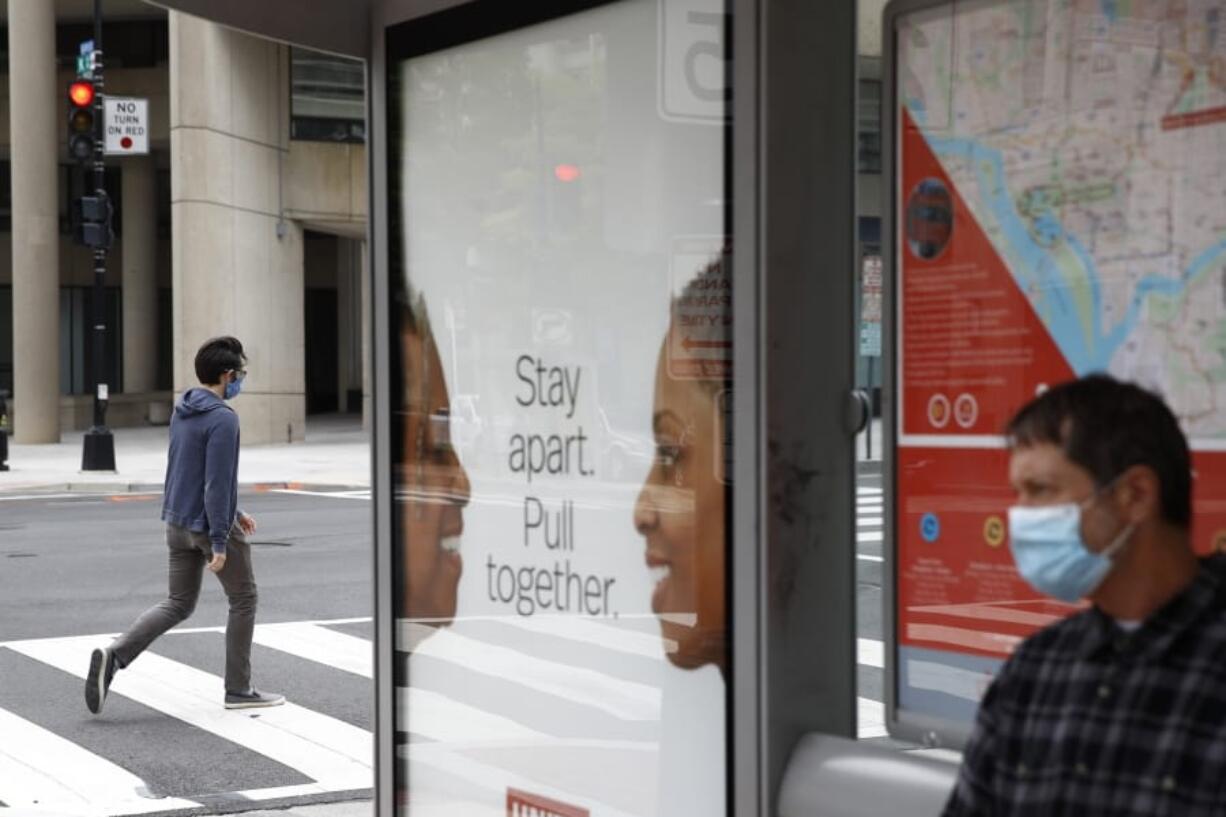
{"x": 565, "y": 200}
{"x": 81, "y": 121}
{"x": 91, "y": 221}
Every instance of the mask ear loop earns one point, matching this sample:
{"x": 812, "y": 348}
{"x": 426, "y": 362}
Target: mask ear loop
{"x": 1121, "y": 539}
{"x": 1124, "y": 536}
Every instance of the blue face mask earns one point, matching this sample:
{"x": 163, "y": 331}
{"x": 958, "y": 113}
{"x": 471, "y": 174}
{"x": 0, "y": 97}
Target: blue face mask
{"x": 1051, "y": 555}
{"x": 233, "y": 388}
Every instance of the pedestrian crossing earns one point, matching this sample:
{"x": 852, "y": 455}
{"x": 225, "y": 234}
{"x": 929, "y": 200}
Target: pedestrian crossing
{"x": 46, "y": 772}
{"x": 869, "y": 524}
{"x": 870, "y": 536}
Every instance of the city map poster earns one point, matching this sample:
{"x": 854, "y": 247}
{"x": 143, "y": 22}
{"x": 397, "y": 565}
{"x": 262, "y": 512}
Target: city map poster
{"x": 1061, "y": 210}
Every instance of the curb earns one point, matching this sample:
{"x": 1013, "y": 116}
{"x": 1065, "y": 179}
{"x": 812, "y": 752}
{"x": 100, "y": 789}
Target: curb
{"x": 868, "y": 467}
{"x": 133, "y": 488}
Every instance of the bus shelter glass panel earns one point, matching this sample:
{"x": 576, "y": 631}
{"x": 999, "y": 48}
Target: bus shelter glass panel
{"x": 561, "y": 300}
{"x": 1059, "y": 210}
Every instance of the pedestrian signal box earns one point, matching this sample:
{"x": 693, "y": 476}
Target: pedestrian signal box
{"x": 91, "y": 221}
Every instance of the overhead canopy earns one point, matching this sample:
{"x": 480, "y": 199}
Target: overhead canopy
{"x": 336, "y": 26}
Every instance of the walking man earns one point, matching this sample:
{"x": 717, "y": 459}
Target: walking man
{"x": 1119, "y": 709}
{"x": 204, "y": 528}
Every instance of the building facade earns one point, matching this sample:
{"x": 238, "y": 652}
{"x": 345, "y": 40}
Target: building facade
{"x": 247, "y": 217}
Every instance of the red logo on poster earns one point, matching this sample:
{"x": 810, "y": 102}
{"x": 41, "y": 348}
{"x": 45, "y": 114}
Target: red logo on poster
{"x": 523, "y": 804}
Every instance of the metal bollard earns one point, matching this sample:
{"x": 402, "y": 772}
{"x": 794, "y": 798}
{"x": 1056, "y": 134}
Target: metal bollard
{"x": 4, "y": 430}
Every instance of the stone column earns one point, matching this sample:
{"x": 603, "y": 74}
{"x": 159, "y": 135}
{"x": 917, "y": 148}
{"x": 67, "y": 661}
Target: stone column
{"x": 35, "y": 105}
{"x": 237, "y": 265}
{"x": 139, "y": 274}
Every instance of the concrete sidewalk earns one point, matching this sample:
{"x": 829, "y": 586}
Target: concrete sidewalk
{"x": 358, "y": 808}
{"x": 336, "y": 453}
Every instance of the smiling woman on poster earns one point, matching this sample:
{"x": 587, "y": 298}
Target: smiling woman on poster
{"x": 433, "y": 486}
{"x": 681, "y": 511}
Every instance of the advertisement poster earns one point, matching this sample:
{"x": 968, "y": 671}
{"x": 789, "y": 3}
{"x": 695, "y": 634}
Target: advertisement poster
{"x": 562, "y": 294}
{"x": 1061, "y": 210}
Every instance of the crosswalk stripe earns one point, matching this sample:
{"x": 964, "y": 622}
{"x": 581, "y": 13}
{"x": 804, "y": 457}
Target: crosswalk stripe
{"x": 866, "y": 491}
{"x": 49, "y": 772}
{"x": 623, "y": 699}
{"x": 437, "y": 717}
{"x": 869, "y": 521}
{"x": 305, "y": 640}
{"x": 870, "y": 652}
{"x": 430, "y": 714}
{"x": 871, "y": 718}
{"x": 337, "y": 755}
{"x": 867, "y": 536}
{"x": 586, "y": 631}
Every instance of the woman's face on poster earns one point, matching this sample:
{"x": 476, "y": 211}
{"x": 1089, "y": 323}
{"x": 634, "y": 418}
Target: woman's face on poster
{"x": 680, "y": 514}
{"x": 433, "y": 485}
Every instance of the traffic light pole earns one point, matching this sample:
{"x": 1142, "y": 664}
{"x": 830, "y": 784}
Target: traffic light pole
{"x": 99, "y": 447}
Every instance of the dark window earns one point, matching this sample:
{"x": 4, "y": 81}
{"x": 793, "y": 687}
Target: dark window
{"x": 868, "y": 127}
{"x": 6, "y": 197}
{"x": 76, "y": 340}
{"x": 162, "y": 191}
{"x": 327, "y": 97}
{"x": 126, "y": 43}
{"x": 6, "y": 338}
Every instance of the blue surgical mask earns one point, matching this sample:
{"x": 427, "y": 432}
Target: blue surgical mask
{"x": 233, "y": 388}
{"x": 1051, "y": 555}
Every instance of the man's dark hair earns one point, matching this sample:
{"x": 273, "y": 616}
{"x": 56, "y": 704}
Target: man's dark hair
{"x": 216, "y": 356}
{"x": 1107, "y": 426}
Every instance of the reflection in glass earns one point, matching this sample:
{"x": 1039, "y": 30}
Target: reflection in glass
{"x": 432, "y": 487}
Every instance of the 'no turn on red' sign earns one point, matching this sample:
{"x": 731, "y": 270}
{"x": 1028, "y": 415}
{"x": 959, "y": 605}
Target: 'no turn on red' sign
{"x": 127, "y": 126}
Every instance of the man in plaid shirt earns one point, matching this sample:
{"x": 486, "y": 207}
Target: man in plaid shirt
{"x": 1119, "y": 709}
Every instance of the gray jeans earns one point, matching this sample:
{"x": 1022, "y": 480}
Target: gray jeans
{"x": 189, "y": 553}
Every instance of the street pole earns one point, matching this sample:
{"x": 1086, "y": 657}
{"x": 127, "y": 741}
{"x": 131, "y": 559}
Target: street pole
{"x": 99, "y": 450}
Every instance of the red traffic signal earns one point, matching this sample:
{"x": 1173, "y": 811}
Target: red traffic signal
{"x": 81, "y": 144}
{"x": 81, "y": 94}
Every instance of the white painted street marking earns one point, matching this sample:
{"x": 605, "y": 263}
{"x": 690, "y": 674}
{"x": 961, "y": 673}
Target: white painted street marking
{"x": 364, "y": 494}
{"x": 870, "y": 721}
{"x": 869, "y": 536}
{"x": 587, "y": 631}
{"x": 316, "y": 643}
{"x": 622, "y": 699}
{"x": 335, "y": 754}
{"x": 868, "y": 557}
{"x": 870, "y": 652}
{"x": 440, "y": 718}
{"x": 41, "y": 770}
{"x": 868, "y": 521}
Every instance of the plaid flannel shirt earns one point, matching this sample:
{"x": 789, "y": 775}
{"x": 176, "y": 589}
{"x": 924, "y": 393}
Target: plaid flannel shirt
{"x": 1087, "y": 719}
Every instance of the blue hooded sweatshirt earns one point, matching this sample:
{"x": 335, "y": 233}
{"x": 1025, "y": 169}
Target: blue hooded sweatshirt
{"x": 202, "y": 468}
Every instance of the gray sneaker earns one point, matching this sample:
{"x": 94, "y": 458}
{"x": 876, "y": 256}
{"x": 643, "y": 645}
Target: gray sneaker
{"x": 252, "y": 698}
{"x": 102, "y": 666}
